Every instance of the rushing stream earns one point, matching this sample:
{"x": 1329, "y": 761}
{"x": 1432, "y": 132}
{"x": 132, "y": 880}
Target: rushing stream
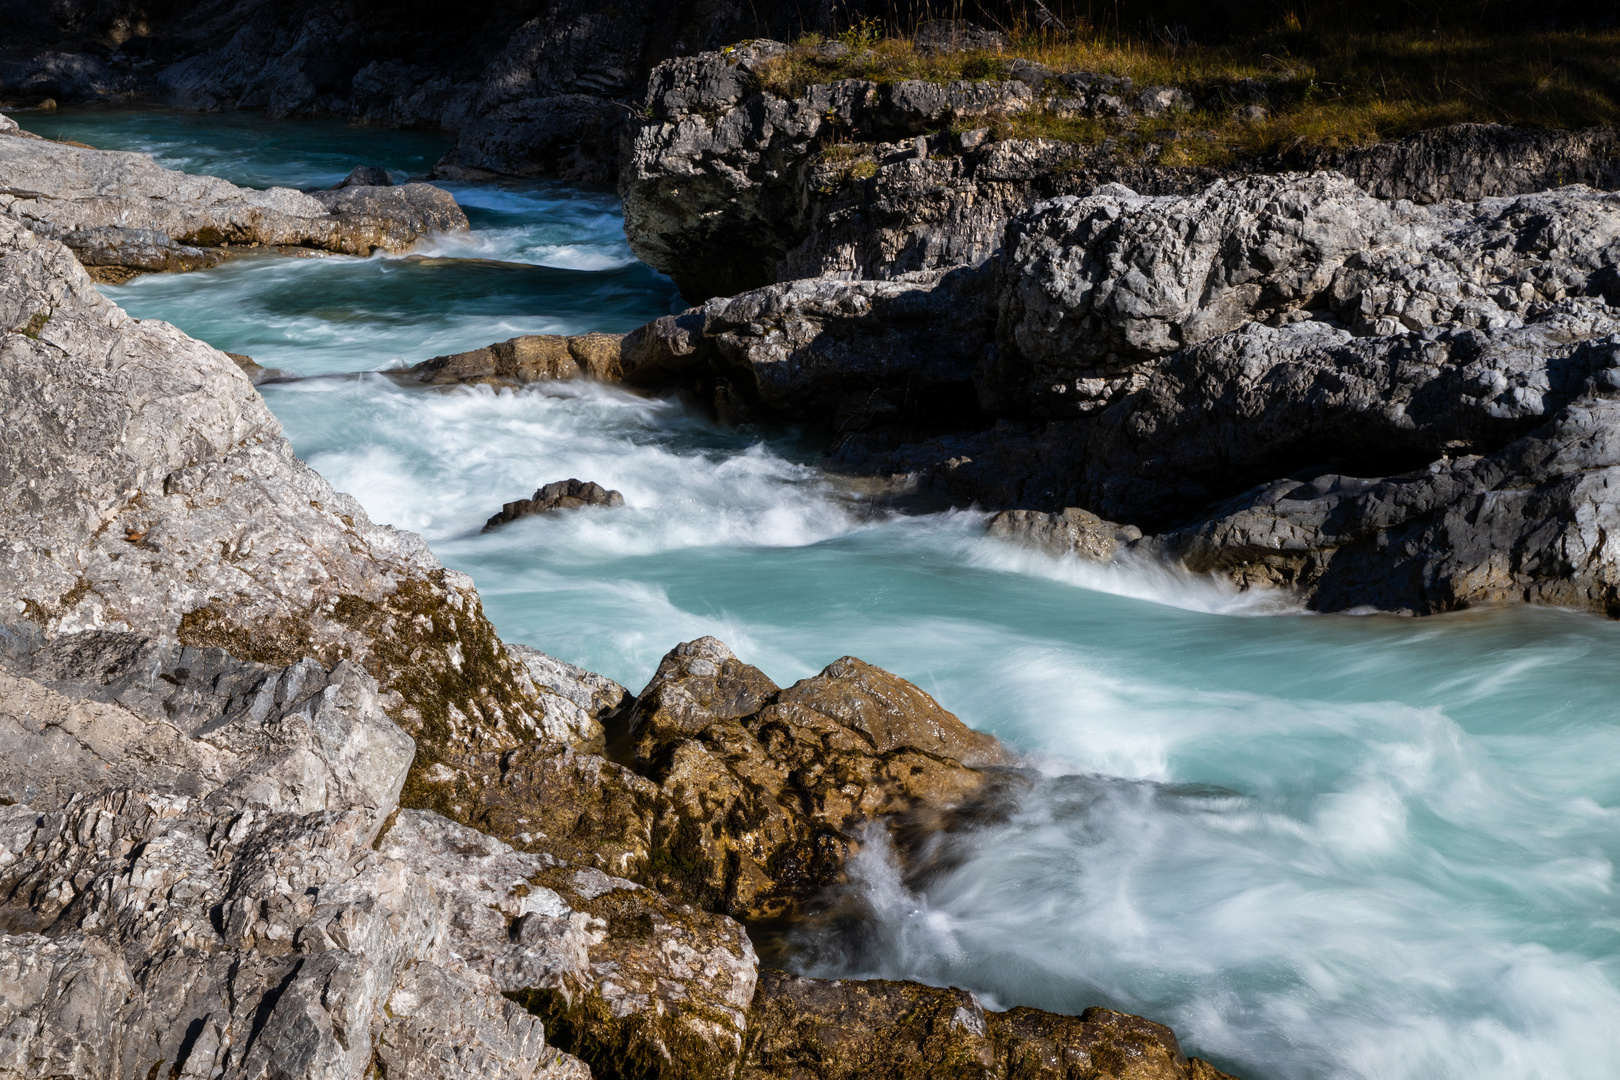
{"x": 1316, "y": 846}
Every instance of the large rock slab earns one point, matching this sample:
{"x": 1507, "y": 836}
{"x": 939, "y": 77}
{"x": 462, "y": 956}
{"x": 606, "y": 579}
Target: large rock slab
{"x": 117, "y": 209}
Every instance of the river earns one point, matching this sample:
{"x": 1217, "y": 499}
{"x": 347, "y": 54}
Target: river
{"x": 1317, "y": 846}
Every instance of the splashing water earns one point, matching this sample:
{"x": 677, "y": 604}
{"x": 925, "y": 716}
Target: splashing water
{"x": 1317, "y": 846}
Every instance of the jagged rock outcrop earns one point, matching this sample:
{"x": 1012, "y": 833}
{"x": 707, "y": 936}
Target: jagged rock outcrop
{"x": 569, "y": 494}
{"x": 216, "y": 901}
{"x": 728, "y": 187}
{"x": 1145, "y": 359}
{"x": 735, "y": 794}
{"x": 122, "y": 212}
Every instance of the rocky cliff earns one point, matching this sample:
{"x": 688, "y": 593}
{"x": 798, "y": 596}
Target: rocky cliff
{"x": 277, "y": 802}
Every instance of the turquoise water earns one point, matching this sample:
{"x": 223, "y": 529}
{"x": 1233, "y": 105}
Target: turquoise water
{"x": 1363, "y": 847}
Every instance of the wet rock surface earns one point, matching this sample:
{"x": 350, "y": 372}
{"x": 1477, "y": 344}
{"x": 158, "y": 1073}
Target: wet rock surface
{"x": 569, "y": 494}
{"x": 121, "y": 212}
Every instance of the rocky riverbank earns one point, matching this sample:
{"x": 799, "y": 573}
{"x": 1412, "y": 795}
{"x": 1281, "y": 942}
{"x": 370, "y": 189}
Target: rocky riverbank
{"x": 123, "y": 214}
{"x": 280, "y": 802}
{"x": 1391, "y": 389}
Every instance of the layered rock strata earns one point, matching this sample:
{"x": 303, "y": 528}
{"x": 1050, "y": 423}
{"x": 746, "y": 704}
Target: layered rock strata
{"x": 122, "y": 213}
{"x": 235, "y": 709}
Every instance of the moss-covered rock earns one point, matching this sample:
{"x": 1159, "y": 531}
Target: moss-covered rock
{"x": 762, "y": 790}
{"x": 876, "y": 1029}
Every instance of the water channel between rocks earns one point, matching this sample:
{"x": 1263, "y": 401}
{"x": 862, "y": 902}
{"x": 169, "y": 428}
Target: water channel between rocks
{"x": 1316, "y": 846}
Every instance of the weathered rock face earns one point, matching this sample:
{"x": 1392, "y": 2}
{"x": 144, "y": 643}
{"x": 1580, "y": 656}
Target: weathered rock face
{"x": 717, "y": 176}
{"x": 885, "y": 1030}
{"x": 729, "y": 188}
{"x": 1146, "y": 359}
{"x": 153, "y": 495}
{"x": 794, "y": 773}
{"x": 569, "y": 494}
{"x": 211, "y": 901}
{"x": 736, "y": 795}
{"x": 122, "y": 210}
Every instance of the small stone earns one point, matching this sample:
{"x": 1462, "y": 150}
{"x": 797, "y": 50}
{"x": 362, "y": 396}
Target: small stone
{"x": 563, "y": 495}
{"x": 973, "y": 139}
{"x": 365, "y": 176}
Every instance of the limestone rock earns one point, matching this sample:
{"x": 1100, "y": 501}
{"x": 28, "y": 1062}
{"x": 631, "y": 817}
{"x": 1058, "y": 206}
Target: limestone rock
{"x": 728, "y": 190}
{"x": 1070, "y": 531}
{"x": 154, "y": 496}
{"x": 792, "y": 773}
{"x": 122, "y": 209}
{"x": 526, "y": 359}
{"x": 575, "y": 704}
{"x": 563, "y": 495}
{"x": 716, "y": 175}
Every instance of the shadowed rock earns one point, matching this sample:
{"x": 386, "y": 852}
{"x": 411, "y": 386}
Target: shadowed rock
{"x": 562, "y": 495}
{"x": 365, "y": 176}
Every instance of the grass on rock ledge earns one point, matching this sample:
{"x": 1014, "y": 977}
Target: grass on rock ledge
{"x": 1321, "y": 91}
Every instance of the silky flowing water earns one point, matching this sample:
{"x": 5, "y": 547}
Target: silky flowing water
{"x": 1317, "y": 846}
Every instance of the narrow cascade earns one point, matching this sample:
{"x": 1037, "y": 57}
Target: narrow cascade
{"x": 1316, "y": 846}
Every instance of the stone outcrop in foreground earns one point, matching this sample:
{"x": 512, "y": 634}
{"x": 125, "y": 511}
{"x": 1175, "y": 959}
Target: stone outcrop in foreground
{"x": 121, "y": 213}
{"x": 257, "y": 747}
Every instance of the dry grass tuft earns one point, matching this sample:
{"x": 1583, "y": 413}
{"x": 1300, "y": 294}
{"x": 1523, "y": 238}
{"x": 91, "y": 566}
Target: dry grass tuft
{"x": 1321, "y": 91}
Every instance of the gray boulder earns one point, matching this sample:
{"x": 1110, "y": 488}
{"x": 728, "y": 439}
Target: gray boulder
{"x": 123, "y": 210}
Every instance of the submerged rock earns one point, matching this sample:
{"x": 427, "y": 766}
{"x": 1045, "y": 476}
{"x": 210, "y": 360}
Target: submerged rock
{"x": 562, "y": 495}
{"x": 123, "y": 211}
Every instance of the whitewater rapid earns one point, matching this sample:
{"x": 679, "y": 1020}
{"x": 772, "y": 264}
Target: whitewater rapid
{"x": 1365, "y": 847}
